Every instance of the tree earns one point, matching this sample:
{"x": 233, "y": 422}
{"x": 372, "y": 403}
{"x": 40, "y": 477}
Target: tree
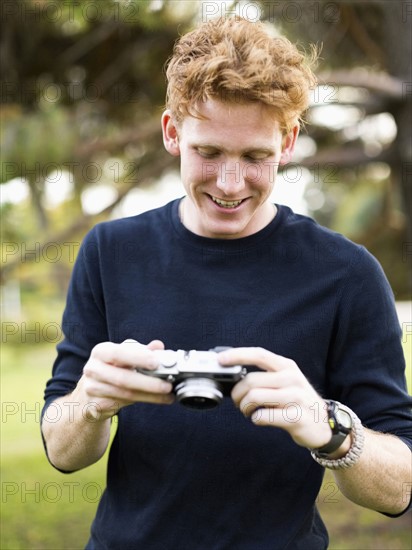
{"x": 365, "y": 64}
{"x": 82, "y": 91}
{"x": 83, "y": 87}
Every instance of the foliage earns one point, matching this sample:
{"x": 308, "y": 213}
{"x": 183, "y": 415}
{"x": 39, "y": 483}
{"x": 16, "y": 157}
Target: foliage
{"x": 360, "y": 122}
{"x": 83, "y": 86}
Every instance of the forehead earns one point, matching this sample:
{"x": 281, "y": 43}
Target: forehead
{"x": 241, "y": 123}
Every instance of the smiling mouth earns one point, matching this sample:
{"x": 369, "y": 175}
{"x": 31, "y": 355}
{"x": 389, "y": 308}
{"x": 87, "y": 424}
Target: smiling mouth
{"x": 226, "y": 204}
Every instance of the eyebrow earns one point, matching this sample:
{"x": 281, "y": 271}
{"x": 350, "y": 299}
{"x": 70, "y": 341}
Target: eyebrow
{"x": 264, "y": 150}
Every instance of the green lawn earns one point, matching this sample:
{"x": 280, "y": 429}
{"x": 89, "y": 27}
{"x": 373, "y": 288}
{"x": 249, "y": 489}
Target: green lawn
{"x": 40, "y": 508}
{"x": 43, "y": 509}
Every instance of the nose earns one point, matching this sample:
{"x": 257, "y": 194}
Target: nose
{"x": 230, "y": 179}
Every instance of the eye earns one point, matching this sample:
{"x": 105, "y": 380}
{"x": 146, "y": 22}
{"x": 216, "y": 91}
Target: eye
{"x": 207, "y": 153}
{"x": 254, "y": 159}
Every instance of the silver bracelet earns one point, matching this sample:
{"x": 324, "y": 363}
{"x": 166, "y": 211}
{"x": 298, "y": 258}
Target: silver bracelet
{"x": 355, "y": 450}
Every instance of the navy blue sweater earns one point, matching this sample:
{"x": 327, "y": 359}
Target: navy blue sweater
{"x": 211, "y": 480}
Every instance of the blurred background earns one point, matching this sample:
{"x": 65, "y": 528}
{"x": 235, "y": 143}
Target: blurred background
{"x": 82, "y": 91}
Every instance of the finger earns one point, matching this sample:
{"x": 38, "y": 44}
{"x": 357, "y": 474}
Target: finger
{"x": 267, "y": 398}
{"x": 126, "y": 379}
{"x": 255, "y": 380}
{"x": 127, "y": 396}
{"x": 269, "y": 417}
{"x": 264, "y": 408}
{"x": 155, "y": 345}
{"x": 258, "y": 398}
{"x": 129, "y": 354}
{"x": 259, "y": 357}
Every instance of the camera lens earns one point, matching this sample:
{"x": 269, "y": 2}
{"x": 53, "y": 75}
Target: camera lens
{"x": 199, "y": 393}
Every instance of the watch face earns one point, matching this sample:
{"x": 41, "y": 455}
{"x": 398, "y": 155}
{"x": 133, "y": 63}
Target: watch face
{"x": 344, "y": 418}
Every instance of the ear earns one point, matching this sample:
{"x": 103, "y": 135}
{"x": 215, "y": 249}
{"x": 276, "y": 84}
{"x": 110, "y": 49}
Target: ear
{"x": 288, "y": 145}
{"x": 170, "y": 135}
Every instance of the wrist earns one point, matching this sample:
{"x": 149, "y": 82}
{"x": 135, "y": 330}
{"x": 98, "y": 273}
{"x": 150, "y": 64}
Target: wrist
{"x": 342, "y": 450}
{"x": 346, "y": 445}
{"x": 89, "y": 408}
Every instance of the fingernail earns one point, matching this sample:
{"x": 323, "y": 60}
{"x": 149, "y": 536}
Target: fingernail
{"x": 223, "y": 356}
{"x": 166, "y": 387}
{"x": 169, "y": 399}
{"x": 255, "y": 417}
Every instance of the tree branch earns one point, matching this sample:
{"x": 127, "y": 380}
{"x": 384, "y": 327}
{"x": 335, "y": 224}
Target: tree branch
{"x": 147, "y": 130}
{"x": 343, "y": 157}
{"x": 85, "y": 221}
{"x": 361, "y": 36}
{"x": 381, "y": 83}
{"x": 89, "y": 41}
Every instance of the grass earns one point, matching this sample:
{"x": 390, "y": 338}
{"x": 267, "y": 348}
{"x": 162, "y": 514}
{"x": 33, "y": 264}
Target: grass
{"x": 44, "y": 509}
{"x": 40, "y": 507}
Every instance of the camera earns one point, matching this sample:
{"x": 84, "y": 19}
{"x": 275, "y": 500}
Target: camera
{"x": 199, "y": 382}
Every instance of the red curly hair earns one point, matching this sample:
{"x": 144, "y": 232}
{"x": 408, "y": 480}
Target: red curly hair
{"x": 235, "y": 60}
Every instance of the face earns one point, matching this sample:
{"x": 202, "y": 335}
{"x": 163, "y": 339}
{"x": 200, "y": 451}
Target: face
{"x": 229, "y": 162}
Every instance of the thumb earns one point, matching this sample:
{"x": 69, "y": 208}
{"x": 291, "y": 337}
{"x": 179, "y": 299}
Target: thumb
{"x": 153, "y": 345}
{"x": 156, "y": 344}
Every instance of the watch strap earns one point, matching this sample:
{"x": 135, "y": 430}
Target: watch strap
{"x": 355, "y": 450}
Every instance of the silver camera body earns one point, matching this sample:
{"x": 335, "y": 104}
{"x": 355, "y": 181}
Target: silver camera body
{"x": 199, "y": 381}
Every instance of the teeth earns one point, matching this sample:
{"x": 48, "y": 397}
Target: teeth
{"x": 226, "y": 204}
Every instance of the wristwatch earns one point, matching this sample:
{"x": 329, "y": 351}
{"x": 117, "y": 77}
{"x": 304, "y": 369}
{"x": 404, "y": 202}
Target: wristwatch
{"x": 341, "y": 423}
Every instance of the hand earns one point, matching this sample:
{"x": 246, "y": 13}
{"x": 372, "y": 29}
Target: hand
{"x": 281, "y": 396}
{"x": 110, "y": 381}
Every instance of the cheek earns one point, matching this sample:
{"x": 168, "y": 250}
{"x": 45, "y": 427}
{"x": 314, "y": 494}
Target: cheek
{"x": 271, "y": 171}
{"x": 195, "y": 170}
{"x": 261, "y": 176}
{"x": 255, "y": 174}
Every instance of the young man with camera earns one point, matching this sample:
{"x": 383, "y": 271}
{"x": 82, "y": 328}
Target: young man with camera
{"x": 307, "y": 315}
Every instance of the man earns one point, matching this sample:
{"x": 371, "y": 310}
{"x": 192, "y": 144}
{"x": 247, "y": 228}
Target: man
{"x": 309, "y": 310}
